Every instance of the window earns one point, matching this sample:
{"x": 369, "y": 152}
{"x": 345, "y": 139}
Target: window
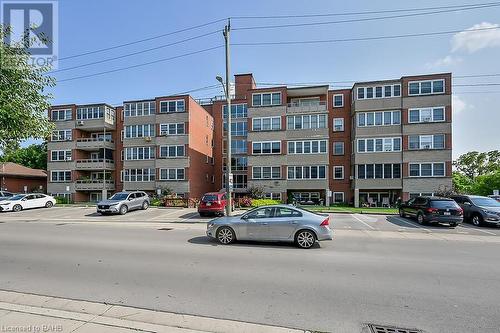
{"x": 266, "y": 124}
{"x": 237, "y": 146}
{"x": 139, "y": 131}
{"x": 260, "y": 213}
{"x": 379, "y": 145}
{"x": 307, "y": 147}
{"x": 378, "y": 92}
{"x": 273, "y": 196}
{"x": 338, "y": 148}
{"x": 172, "y": 174}
{"x": 61, "y": 115}
{"x": 90, "y": 112}
{"x": 139, "y": 153}
{"x": 427, "y": 169}
{"x": 379, "y": 171}
{"x": 361, "y": 93}
{"x": 307, "y": 172}
{"x": 266, "y": 99}
{"x": 385, "y": 118}
{"x": 338, "y": 101}
{"x": 239, "y": 163}
{"x": 237, "y": 111}
{"x": 172, "y": 151}
{"x": 338, "y": 197}
{"x": 60, "y": 176}
{"x": 266, "y": 147}
{"x": 138, "y": 109}
{"x": 426, "y": 87}
{"x": 306, "y": 122}
{"x": 172, "y": 129}
{"x": 139, "y": 175}
{"x": 172, "y": 106}
{"x": 338, "y": 172}
{"x": 60, "y": 155}
{"x": 286, "y": 212}
{"x": 266, "y": 172}
{"x": 386, "y": 91}
{"x": 338, "y": 124}
{"x": 426, "y": 115}
{"x": 62, "y": 135}
{"x": 238, "y": 128}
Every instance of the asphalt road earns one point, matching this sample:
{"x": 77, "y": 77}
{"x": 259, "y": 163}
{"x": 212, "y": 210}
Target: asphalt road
{"x": 410, "y": 278}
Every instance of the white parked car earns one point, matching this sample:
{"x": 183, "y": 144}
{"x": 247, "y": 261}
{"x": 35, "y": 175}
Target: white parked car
{"x": 27, "y": 201}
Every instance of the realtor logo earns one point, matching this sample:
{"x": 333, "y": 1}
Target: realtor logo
{"x": 33, "y": 26}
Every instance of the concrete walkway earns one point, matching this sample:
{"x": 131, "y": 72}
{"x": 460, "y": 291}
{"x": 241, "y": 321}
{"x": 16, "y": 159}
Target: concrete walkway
{"x": 21, "y": 312}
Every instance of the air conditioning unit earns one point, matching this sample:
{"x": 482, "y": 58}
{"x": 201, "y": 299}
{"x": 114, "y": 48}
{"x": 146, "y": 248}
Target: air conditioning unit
{"x": 147, "y": 138}
{"x": 68, "y": 158}
{"x": 80, "y": 122}
{"x": 426, "y": 119}
{"x": 426, "y": 147}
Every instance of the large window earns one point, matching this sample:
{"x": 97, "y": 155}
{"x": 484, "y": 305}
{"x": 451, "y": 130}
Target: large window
{"x": 266, "y": 172}
{"x": 139, "y": 175}
{"x": 266, "y": 99}
{"x": 426, "y": 87}
{"x": 172, "y": 174}
{"x": 237, "y": 111}
{"x": 90, "y": 112}
{"x": 385, "y": 91}
{"x": 306, "y": 122}
{"x": 60, "y": 176}
{"x": 62, "y": 135}
{"x": 172, "y": 129}
{"x": 266, "y": 147}
{"x": 139, "y": 153}
{"x": 266, "y": 124}
{"x": 338, "y": 124}
{"x": 139, "y": 131}
{"x": 172, "y": 106}
{"x": 172, "y": 151}
{"x": 379, "y": 145}
{"x": 237, "y": 146}
{"x": 307, "y": 172}
{"x": 385, "y": 118}
{"x": 426, "y": 115}
{"x": 61, "y": 115}
{"x": 338, "y": 148}
{"x": 307, "y": 147}
{"x": 138, "y": 109}
{"x": 239, "y": 163}
{"x": 238, "y": 128}
{"x": 338, "y": 172}
{"x": 371, "y": 171}
{"x": 436, "y": 141}
{"x": 427, "y": 169}
{"x": 60, "y": 155}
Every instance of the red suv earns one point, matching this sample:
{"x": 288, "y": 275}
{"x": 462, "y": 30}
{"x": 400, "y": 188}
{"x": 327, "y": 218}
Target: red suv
{"x": 212, "y": 203}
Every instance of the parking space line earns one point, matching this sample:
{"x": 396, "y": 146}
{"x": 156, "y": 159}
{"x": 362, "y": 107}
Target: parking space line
{"x": 477, "y": 229}
{"x": 360, "y": 220}
{"x": 410, "y": 223}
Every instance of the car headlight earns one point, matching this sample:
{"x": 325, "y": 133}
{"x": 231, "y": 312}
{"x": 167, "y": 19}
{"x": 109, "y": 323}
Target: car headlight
{"x": 210, "y": 225}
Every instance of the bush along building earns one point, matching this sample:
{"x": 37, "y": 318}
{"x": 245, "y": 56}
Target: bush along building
{"x": 369, "y": 145}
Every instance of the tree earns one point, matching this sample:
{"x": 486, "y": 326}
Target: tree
{"x": 473, "y": 164}
{"x": 23, "y": 95}
{"x": 33, "y": 156}
{"x": 461, "y": 183}
{"x": 485, "y": 184}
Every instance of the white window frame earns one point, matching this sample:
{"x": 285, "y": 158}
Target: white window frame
{"x": 165, "y": 129}
{"x": 177, "y": 178}
{"x": 240, "y": 111}
{"x": 177, "y": 108}
{"x": 67, "y": 153}
{"x": 384, "y": 140}
{"x": 151, "y": 175}
{"x": 271, "y": 173}
{"x": 261, "y": 120}
{"x": 261, "y": 143}
{"x": 59, "y": 112}
{"x": 151, "y": 129}
{"x": 166, "y": 148}
{"x": 333, "y": 197}
{"x": 302, "y": 144}
{"x": 302, "y": 117}
{"x": 65, "y": 136}
{"x": 127, "y": 109}
{"x": 302, "y": 171}
{"x": 343, "y": 148}
{"x": 273, "y": 196}
{"x": 374, "y": 89}
{"x": 342, "y": 101}
{"x": 383, "y": 171}
{"x": 432, "y": 120}
{"x": 266, "y": 93}
{"x": 341, "y": 167}
{"x": 432, "y": 87}
{"x": 135, "y": 152}
{"x": 365, "y": 116}
{"x": 432, "y": 170}
{"x": 90, "y": 112}
{"x": 342, "y": 121}
{"x": 58, "y": 172}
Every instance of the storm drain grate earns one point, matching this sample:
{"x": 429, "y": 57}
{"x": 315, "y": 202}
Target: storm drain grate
{"x": 165, "y": 229}
{"x": 392, "y": 329}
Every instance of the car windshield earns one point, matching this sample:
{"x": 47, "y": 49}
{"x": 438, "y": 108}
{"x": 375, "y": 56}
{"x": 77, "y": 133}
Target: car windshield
{"x": 444, "y": 204}
{"x": 17, "y": 197}
{"x": 119, "y": 196}
{"x": 209, "y": 197}
{"x": 487, "y": 202}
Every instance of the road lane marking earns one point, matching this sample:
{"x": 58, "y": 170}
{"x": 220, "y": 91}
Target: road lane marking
{"x": 360, "y": 220}
{"x": 414, "y": 225}
{"x": 486, "y": 232}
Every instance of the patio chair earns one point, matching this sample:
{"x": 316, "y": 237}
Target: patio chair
{"x": 385, "y": 202}
{"x": 371, "y": 202}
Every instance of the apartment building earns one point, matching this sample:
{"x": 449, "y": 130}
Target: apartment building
{"x": 368, "y": 145}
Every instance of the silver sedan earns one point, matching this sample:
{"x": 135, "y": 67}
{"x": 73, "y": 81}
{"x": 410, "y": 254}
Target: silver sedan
{"x": 272, "y": 223}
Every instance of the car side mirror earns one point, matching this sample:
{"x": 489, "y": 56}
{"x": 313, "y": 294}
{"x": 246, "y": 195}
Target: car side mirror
{"x": 129, "y": 199}
{"x": 24, "y": 199}
{"x": 244, "y": 217}
{"x": 467, "y": 203}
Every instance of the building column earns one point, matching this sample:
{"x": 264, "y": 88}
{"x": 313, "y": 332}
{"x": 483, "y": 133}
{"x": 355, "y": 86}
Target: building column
{"x": 356, "y": 197}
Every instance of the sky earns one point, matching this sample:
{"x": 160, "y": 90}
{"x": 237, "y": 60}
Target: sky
{"x": 88, "y": 25}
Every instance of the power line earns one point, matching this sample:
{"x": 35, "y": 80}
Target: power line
{"x": 135, "y": 53}
{"x": 495, "y": 4}
{"x": 358, "y": 13}
{"x": 143, "y": 40}
{"x": 475, "y": 75}
{"x": 142, "y": 64}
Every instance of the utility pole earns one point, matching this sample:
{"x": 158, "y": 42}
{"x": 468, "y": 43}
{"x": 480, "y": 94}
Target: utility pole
{"x": 229, "y": 200}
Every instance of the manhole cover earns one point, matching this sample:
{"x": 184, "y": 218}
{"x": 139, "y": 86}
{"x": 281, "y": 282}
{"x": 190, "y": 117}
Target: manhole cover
{"x": 165, "y": 229}
{"x": 392, "y": 329}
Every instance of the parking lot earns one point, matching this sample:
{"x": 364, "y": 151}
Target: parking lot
{"x": 362, "y": 222}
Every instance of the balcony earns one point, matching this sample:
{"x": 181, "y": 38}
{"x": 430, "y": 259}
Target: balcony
{"x": 95, "y": 164}
{"x": 302, "y": 107}
{"x": 95, "y": 124}
{"x": 94, "y": 185}
{"x": 93, "y": 144}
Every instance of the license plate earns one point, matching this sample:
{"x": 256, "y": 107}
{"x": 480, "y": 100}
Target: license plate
{"x": 446, "y": 213}
{"x": 209, "y": 204}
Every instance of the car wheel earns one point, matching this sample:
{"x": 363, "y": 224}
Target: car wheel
{"x": 123, "y": 210}
{"x": 17, "y": 208}
{"x": 49, "y": 204}
{"x": 420, "y": 219}
{"x": 477, "y": 220}
{"x": 225, "y": 235}
{"x": 305, "y": 239}
{"x": 145, "y": 205}
{"x": 453, "y": 225}
{"x": 202, "y": 214}
{"x": 401, "y": 213}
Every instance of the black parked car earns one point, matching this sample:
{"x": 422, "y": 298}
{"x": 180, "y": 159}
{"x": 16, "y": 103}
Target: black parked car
{"x": 432, "y": 210}
{"x": 479, "y": 210}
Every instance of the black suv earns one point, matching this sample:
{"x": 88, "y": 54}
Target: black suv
{"x": 432, "y": 209}
{"x": 479, "y": 210}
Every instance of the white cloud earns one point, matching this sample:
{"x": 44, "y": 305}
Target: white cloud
{"x": 445, "y": 62}
{"x": 475, "y": 41}
{"x": 458, "y": 104}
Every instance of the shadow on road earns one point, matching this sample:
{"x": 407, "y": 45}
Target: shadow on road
{"x": 398, "y": 221}
{"x": 204, "y": 240}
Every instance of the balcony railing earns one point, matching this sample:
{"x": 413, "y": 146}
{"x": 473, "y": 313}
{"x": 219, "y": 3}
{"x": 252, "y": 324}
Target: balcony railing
{"x": 306, "y": 106}
{"x": 94, "y": 143}
{"x": 94, "y": 140}
{"x": 94, "y": 184}
{"x": 95, "y": 164}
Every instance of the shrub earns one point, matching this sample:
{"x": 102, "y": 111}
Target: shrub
{"x": 63, "y": 200}
{"x": 264, "y": 202}
{"x": 244, "y": 202}
{"x": 156, "y": 202}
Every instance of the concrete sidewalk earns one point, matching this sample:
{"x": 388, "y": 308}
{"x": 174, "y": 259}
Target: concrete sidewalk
{"x": 21, "y": 312}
